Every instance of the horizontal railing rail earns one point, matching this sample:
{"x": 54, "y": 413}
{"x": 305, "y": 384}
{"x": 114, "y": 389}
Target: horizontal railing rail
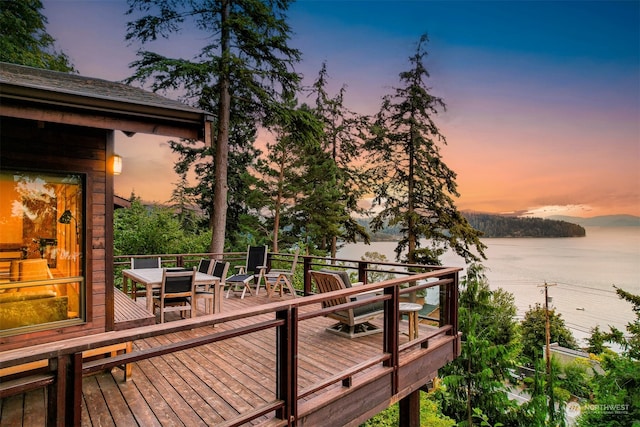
{"x": 363, "y": 268}
{"x": 66, "y": 367}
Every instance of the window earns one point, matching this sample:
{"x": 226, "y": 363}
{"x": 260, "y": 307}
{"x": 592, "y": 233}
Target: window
{"x": 41, "y": 250}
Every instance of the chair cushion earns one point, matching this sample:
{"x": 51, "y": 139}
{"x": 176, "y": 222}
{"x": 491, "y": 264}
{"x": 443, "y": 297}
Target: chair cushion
{"x": 240, "y": 278}
{"x": 172, "y": 301}
{"x": 368, "y": 308}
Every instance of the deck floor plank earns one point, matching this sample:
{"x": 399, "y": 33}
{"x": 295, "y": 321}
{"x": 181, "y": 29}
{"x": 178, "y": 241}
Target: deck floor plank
{"x": 13, "y": 410}
{"x": 97, "y": 407}
{"x": 32, "y": 400}
{"x": 116, "y": 402}
{"x": 171, "y": 388}
{"x": 247, "y": 391}
{"x": 155, "y": 393}
{"x": 133, "y": 394}
{"x": 187, "y": 379}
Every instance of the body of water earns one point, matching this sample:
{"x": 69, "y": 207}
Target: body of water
{"x": 582, "y": 269}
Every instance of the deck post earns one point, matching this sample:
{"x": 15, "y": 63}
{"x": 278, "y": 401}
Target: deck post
{"x": 390, "y": 338}
{"x": 409, "y": 407}
{"x": 362, "y": 271}
{"x": 74, "y": 390}
{"x": 305, "y": 272}
{"x": 286, "y": 365}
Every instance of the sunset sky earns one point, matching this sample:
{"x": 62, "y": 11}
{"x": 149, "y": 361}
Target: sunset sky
{"x": 543, "y": 97}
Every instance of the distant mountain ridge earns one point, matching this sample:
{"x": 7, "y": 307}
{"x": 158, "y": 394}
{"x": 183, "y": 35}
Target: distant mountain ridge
{"x": 601, "y": 221}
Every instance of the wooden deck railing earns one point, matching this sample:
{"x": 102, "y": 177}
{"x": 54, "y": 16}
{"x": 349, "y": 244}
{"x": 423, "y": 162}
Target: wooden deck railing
{"x": 284, "y": 260}
{"x": 66, "y": 367}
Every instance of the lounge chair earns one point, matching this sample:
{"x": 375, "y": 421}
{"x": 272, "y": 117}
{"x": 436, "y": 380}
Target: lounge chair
{"x": 276, "y": 279}
{"x": 352, "y": 322}
{"x": 254, "y": 265}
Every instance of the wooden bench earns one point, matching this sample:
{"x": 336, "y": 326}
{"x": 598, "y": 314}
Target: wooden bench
{"x": 128, "y": 313}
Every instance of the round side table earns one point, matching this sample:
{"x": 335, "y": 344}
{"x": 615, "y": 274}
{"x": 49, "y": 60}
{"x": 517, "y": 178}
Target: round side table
{"x": 411, "y": 310}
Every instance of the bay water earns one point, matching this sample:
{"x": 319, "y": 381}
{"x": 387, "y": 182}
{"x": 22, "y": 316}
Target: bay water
{"x": 582, "y": 270}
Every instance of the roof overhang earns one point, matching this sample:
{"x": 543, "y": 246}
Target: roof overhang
{"x": 75, "y": 100}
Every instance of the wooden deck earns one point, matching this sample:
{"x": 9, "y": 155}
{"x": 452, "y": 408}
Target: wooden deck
{"x": 234, "y": 381}
{"x": 129, "y": 313}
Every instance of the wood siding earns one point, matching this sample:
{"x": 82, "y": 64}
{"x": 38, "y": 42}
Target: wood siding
{"x": 32, "y": 145}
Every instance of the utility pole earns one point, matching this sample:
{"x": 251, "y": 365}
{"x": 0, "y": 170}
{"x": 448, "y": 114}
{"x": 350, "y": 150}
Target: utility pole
{"x": 547, "y": 327}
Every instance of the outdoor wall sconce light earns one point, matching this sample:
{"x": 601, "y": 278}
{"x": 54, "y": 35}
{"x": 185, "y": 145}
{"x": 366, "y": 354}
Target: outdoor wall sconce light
{"x": 117, "y": 164}
{"x": 66, "y": 218}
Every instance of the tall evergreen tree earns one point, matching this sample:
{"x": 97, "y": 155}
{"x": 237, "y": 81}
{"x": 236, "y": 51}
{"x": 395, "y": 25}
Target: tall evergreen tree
{"x": 343, "y": 139}
{"x": 316, "y": 213}
{"x": 246, "y": 67}
{"x": 184, "y": 205}
{"x": 298, "y": 132}
{"x": 412, "y": 184}
{"x": 24, "y": 39}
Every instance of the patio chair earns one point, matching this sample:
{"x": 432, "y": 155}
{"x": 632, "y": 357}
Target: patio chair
{"x": 220, "y": 271}
{"x": 255, "y": 264}
{"x": 136, "y": 263}
{"x": 177, "y": 293}
{"x": 206, "y": 265}
{"x": 145, "y": 262}
{"x": 276, "y": 280}
{"x": 352, "y": 322}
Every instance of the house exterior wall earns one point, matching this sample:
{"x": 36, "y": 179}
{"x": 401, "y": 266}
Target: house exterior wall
{"x": 34, "y": 145}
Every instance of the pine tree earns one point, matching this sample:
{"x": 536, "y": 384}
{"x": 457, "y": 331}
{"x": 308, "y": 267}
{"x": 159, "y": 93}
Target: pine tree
{"x": 298, "y": 134}
{"x": 343, "y": 139}
{"x": 24, "y": 39}
{"x": 246, "y": 67}
{"x": 316, "y": 212}
{"x": 412, "y": 185}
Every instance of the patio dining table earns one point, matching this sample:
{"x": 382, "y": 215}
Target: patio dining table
{"x": 151, "y": 278}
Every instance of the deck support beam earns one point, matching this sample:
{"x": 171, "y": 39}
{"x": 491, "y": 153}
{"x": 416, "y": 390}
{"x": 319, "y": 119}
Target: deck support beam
{"x": 410, "y": 410}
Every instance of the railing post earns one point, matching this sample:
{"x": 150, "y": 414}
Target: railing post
{"x": 362, "y": 271}
{"x": 287, "y": 365}
{"x": 74, "y": 391}
{"x": 390, "y": 341}
{"x": 307, "y": 278}
{"x": 454, "y": 304}
{"x": 269, "y": 260}
{"x": 449, "y": 302}
{"x": 64, "y": 396}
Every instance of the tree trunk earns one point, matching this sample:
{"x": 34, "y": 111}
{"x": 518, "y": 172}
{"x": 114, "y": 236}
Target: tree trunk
{"x": 278, "y": 207}
{"x": 410, "y": 203}
{"x": 219, "y": 208}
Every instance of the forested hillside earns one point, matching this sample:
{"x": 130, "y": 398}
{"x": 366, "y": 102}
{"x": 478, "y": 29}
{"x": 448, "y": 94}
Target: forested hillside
{"x": 493, "y": 225}
{"x": 510, "y": 226}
